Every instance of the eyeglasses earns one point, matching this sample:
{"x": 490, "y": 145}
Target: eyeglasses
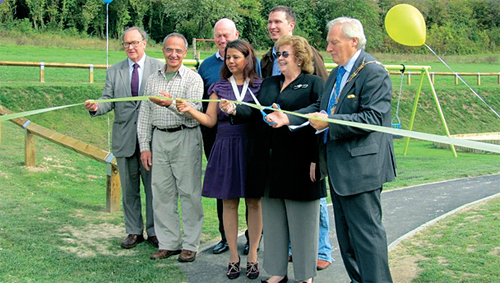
{"x": 133, "y": 43}
{"x": 285, "y": 54}
{"x": 170, "y": 50}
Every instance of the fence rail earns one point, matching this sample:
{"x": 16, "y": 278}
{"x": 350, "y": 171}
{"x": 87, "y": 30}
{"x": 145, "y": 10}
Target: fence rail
{"x": 32, "y": 129}
{"x": 193, "y": 63}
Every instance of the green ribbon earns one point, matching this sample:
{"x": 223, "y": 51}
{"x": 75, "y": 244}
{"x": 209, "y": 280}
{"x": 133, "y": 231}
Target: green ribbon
{"x": 412, "y": 134}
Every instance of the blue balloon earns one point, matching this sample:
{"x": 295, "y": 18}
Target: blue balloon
{"x": 107, "y": 1}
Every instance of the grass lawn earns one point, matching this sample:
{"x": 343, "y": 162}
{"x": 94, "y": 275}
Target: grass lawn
{"x": 53, "y": 224}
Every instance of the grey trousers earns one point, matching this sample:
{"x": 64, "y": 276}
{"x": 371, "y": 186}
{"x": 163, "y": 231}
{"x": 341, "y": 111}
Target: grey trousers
{"x": 176, "y": 174}
{"x": 131, "y": 173}
{"x": 295, "y": 222}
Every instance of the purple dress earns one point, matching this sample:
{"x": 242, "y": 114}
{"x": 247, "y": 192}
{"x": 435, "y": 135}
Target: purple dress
{"x": 225, "y": 175}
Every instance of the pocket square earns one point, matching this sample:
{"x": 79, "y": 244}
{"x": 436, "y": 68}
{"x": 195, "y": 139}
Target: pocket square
{"x": 351, "y": 96}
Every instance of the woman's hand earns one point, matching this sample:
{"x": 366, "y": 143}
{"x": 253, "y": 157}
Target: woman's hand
{"x": 227, "y": 107}
{"x": 183, "y": 106}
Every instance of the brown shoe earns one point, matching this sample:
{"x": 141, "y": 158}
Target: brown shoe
{"x": 322, "y": 264}
{"x": 159, "y": 254}
{"x": 153, "y": 240}
{"x": 132, "y": 241}
{"x": 187, "y": 256}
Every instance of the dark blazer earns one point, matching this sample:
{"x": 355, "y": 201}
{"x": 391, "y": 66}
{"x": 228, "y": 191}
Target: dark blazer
{"x": 124, "y": 140}
{"x": 281, "y": 158}
{"x": 318, "y": 62}
{"x": 358, "y": 160}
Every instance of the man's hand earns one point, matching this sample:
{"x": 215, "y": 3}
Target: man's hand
{"x": 162, "y": 102}
{"x": 91, "y": 105}
{"x": 278, "y": 118}
{"x": 146, "y": 160}
{"x": 318, "y": 125}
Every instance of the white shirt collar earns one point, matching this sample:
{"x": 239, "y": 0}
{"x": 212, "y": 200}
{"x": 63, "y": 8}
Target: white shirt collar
{"x": 218, "y": 56}
{"x": 141, "y": 62}
{"x": 350, "y": 63}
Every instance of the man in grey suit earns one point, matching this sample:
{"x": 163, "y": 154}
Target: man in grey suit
{"x": 358, "y": 161}
{"x": 125, "y": 79}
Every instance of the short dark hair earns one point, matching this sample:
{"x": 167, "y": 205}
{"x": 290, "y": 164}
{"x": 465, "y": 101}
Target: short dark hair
{"x": 289, "y": 13}
{"x": 247, "y": 50}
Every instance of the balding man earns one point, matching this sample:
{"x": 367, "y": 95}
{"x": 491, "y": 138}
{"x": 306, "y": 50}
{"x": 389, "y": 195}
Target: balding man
{"x": 224, "y": 31}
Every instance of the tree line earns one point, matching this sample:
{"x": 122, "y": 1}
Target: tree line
{"x": 454, "y": 27}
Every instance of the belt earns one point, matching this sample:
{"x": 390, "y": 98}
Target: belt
{"x": 171, "y": 130}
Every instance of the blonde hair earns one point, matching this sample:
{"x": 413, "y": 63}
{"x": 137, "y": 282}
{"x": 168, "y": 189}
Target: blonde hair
{"x": 302, "y": 50}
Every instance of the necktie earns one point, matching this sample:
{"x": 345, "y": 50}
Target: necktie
{"x": 333, "y": 97}
{"x": 336, "y": 90}
{"x": 134, "y": 82}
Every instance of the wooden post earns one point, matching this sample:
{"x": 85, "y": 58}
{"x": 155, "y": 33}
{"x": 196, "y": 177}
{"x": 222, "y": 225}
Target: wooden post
{"x": 432, "y": 77}
{"x": 29, "y": 149}
{"x": 112, "y": 188}
{"x": 91, "y": 74}
{"x": 409, "y": 78}
{"x": 194, "y": 48}
{"x": 478, "y": 78}
{"x": 42, "y": 72}
{"x": 456, "y": 79}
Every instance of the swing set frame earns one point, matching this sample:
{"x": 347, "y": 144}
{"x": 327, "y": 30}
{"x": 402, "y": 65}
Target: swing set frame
{"x": 424, "y": 73}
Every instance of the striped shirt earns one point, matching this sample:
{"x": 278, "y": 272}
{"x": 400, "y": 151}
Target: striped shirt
{"x": 184, "y": 84}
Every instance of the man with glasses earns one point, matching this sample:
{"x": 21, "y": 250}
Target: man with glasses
{"x": 174, "y": 139}
{"x": 125, "y": 79}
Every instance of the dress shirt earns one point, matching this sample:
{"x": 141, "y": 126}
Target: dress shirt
{"x": 184, "y": 84}
{"x": 140, "y": 69}
{"x": 276, "y": 67}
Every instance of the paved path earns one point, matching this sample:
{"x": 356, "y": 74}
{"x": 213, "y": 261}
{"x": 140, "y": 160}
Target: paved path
{"x": 405, "y": 210}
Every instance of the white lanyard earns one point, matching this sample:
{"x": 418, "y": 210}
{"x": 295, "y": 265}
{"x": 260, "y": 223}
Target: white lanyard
{"x": 239, "y": 96}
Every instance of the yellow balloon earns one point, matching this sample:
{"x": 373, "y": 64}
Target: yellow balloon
{"x": 406, "y": 25}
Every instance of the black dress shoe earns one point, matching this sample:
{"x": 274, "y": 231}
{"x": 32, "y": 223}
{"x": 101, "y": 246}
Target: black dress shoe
{"x": 221, "y": 247}
{"x": 131, "y": 241}
{"x": 153, "y": 240}
{"x": 246, "y": 249}
{"x": 284, "y": 280}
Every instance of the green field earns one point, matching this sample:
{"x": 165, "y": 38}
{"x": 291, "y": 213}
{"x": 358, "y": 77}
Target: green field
{"x": 52, "y": 217}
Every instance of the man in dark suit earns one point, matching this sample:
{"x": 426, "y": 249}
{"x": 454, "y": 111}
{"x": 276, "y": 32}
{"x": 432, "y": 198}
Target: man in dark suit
{"x": 125, "y": 79}
{"x": 358, "y": 161}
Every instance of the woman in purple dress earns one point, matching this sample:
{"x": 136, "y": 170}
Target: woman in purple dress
{"x": 225, "y": 175}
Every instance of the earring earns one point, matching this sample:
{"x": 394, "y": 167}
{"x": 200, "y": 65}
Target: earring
{"x": 298, "y": 64}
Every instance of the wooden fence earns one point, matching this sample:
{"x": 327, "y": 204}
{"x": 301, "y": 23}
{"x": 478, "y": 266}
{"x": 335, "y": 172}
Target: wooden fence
{"x": 113, "y": 180}
{"x": 192, "y": 63}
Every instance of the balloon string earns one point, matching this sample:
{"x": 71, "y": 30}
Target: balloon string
{"x": 458, "y": 76}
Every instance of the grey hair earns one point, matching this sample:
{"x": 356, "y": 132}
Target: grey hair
{"x": 351, "y": 28}
{"x": 140, "y": 30}
{"x": 229, "y": 21}
{"x": 175, "y": 34}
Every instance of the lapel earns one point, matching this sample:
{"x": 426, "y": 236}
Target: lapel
{"x": 348, "y": 86}
{"x": 123, "y": 73}
{"x": 328, "y": 89}
{"x": 148, "y": 70}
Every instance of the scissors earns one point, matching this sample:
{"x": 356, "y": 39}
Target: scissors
{"x": 264, "y": 114}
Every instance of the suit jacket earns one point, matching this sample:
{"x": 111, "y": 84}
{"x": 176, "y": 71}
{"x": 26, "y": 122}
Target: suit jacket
{"x": 281, "y": 158}
{"x": 358, "y": 160}
{"x": 318, "y": 62}
{"x": 124, "y": 138}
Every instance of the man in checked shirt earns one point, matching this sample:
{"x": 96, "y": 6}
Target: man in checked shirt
{"x": 175, "y": 157}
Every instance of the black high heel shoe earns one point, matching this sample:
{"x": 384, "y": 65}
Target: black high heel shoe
{"x": 253, "y": 270}
{"x": 233, "y": 269}
{"x": 284, "y": 280}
